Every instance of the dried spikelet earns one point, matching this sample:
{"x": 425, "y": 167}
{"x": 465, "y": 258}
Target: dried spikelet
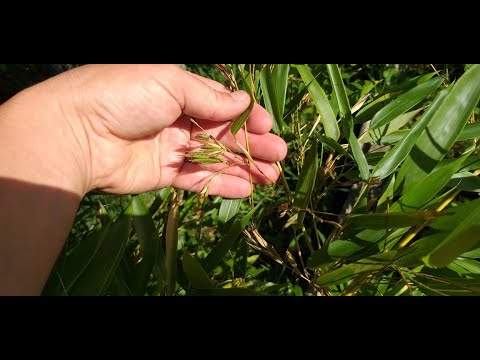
{"x": 293, "y": 263}
{"x": 210, "y": 152}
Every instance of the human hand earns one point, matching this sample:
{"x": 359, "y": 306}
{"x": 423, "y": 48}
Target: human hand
{"x": 135, "y": 129}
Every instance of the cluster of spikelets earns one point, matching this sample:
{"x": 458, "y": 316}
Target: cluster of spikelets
{"x": 210, "y": 152}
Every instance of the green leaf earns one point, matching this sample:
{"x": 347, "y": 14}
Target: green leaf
{"x": 368, "y": 264}
{"x": 195, "y": 273}
{"x": 454, "y": 244}
{"x": 395, "y": 156}
{"x": 404, "y": 102}
{"x": 149, "y": 242}
{"x": 368, "y": 111}
{"x": 377, "y": 135}
{"x": 431, "y": 184}
{"x": 386, "y": 197}
{"x": 119, "y": 287}
{"x": 465, "y": 181}
{"x": 241, "y": 257}
{"x": 392, "y": 220}
{"x": 465, "y": 266}
{"x": 237, "y": 124}
{"x": 220, "y": 250}
{"x": 224, "y": 292}
{"x": 98, "y": 275}
{"x": 228, "y": 209}
{"x": 273, "y": 81}
{"x": 442, "y": 131}
{"x": 332, "y": 144}
{"x": 80, "y": 257}
{"x": 171, "y": 244}
{"x": 392, "y": 138}
{"x": 347, "y": 120}
{"x": 306, "y": 181}
{"x": 461, "y": 233}
{"x": 473, "y": 254}
{"x": 322, "y": 104}
{"x": 470, "y": 131}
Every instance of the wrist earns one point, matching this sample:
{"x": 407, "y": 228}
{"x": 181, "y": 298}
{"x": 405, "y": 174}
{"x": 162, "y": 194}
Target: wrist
{"x": 43, "y": 141}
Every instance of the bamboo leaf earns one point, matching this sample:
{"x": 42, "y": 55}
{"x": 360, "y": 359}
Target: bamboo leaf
{"x": 392, "y": 220}
{"x": 368, "y": 264}
{"x": 228, "y": 209}
{"x": 405, "y": 102}
{"x": 428, "y": 187}
{"x": 442, "y": 131}
{"x": 273, "y": 81}
{"x": 395, "y": 156}
{"x": 470, "y": 131}
{"x": 461, "y": 233}
{"x": 171, "y": 244}
{"x": 393, "y": 137}
{"x": 237, "y": 124}
{"x": 347, "y": 120}
{"x": 332, "y": 144}
{"x": 195, "y": 273}
{"x": 306, "y": 182}
{"x": 220, "y": 250}
{"x": 322, "y": 104}
{"x": 386, "y": 197}
{"x": 465, "y": 266}
{"x": 80, "y": 257}
{"x": 150, "y": 243}
{"x": 377, "y": 135}
{"x": 224, "y": 292}
{"x": 465, "y": 181}
{"x": 98, "y": 275}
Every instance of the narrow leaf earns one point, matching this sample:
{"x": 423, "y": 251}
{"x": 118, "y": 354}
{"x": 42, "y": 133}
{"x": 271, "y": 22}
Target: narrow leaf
{"x": 150, "y": 244}
{"x": 428, "y": 187}
{"x": 224, "y": 292}
{"x": 306, "y": 182}
{"x": 195, "y": 273}
{"x": 228, "y": 209}
{"x": 347, "y": 120}
{"x": 461, "y": 234}
{"x": 98, "y": 275}
{"x": 465, "y": 181}
{"x": 395, "y": 156}
{"x": 171, "y": 243}
{"x": 405, "y": 102}
{"x": 377, "y": 135}
{"x": 273, "y": 81}
{"x": 220, "y": 250}
{"x": 368, "y": 264}
{"x": 392, "y": 220}
{"x": 322, "y": 104}
{"x": 470, "y": 131}
{"x": 443, "y": 129}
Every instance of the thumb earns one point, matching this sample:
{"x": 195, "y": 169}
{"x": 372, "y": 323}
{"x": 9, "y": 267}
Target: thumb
{"x": 199, "y": 100}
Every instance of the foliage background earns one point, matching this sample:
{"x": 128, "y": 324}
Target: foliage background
{"x": 321, "y": 230}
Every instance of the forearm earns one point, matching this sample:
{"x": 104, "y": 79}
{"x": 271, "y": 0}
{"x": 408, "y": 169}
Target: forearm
{"x": 42, "y": 180}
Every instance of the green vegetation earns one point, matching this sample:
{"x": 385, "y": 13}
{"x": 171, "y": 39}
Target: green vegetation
{"x": 378, "y": 196}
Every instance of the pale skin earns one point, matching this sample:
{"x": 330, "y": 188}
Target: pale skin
{"x": 122, "y": 129}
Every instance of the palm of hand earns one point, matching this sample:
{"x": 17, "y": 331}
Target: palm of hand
{"x": 141, "y": 131}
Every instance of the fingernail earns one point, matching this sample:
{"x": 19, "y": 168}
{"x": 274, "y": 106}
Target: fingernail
{"x": 240, "y": 96}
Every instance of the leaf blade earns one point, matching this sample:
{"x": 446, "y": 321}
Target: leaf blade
{"x": 400, "y": 151}
{"x": 195, "y": 273}
{"x": 442, "y": 131}
{"x": 322, "y": 104}
{"x": 347, "y": 120}
{"x": 404, "y": 102}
